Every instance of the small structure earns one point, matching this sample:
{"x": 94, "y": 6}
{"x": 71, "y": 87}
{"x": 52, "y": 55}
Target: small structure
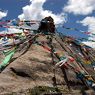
{"x": 47, "y": 25}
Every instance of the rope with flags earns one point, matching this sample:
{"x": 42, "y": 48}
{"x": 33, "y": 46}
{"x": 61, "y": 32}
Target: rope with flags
{"x": 68, "y": 58}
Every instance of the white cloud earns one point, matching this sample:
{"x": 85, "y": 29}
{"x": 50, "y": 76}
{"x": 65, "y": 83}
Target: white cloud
{"x": 90, "y": 22}
{"x": 80, "y": 7}
{"x": 89, "y": 43}
{"x": 36, "y": 11}
{"x": 11, "y": 30}
{"x": 3, "y": 14}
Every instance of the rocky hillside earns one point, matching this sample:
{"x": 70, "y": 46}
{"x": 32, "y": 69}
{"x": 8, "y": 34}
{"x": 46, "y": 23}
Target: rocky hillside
{"x": 33, "y": 72}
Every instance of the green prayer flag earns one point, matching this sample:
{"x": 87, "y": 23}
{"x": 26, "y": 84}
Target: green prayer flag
{"x": 7, "y": 58}
{"x": 7, "y": 52}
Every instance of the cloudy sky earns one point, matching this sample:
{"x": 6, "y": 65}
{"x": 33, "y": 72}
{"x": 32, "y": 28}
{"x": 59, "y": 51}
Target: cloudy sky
{"x": 78, "y": 14}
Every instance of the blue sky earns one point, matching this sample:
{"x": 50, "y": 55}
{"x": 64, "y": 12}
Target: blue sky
{"x": 71, "y": 13}
{"x": 14, "y": 7}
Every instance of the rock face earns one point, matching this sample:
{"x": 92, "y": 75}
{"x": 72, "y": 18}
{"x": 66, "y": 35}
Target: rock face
{"x": 35, "y": 68}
